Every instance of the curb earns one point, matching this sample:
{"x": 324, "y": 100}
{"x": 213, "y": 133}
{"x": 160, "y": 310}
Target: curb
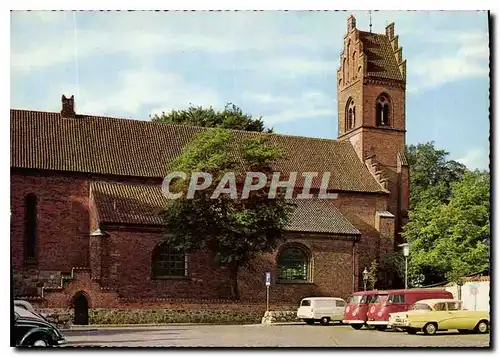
{"x": 133, "y": 326}
{"x": 145, "y": 326}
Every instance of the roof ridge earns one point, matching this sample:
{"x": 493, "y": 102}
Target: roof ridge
{"x": 150, "y": 122}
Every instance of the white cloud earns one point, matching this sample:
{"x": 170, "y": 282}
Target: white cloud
{"x": 476, "y": 158}
{"x": 309, "y": 104}
{"x": 145, "y": 87}
{"x": 142, "y": 35}
{"x": 288, "y": 66}
{"x": 266, "y": 98}
{"x": 293, "y": 115}
{"x": 131, "y": 92}
{"x": 467, "y": 60}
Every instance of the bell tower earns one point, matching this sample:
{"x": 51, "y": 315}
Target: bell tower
{"x": 371, "y": 95}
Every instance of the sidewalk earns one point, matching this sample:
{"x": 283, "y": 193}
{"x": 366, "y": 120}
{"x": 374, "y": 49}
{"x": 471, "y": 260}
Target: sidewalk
{"x": 156, "y": 326}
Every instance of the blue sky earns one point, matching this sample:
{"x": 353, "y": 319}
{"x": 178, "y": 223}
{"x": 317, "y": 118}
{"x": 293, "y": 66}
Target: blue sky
{"x": 278, "y": 65}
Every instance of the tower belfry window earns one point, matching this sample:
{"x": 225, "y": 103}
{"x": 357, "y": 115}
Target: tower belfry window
{"x": 350, "y": 119}
{"x": 382, "y": 111}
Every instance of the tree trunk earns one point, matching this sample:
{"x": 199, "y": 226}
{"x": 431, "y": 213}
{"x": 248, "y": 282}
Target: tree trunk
{"x": 233, "y": 281}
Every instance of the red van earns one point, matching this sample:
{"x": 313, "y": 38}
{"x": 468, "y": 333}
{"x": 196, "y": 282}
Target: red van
{"x": 358, "y": 305}
{"x": 373, "y": 307}
{"x": 401, "y": 300}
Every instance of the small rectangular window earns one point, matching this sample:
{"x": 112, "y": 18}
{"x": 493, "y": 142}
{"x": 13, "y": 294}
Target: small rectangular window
{"x": 396, "y": 299}
{"x": 454, "y": 306}
{"x": 340, "y": 303}
{"x": 306, "y": 303}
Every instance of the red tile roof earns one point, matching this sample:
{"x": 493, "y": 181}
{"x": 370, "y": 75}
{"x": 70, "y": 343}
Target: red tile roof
{"x": 114, "y": 146}
{"x": 381, "y": 61}
{"x": 124, "y": 203}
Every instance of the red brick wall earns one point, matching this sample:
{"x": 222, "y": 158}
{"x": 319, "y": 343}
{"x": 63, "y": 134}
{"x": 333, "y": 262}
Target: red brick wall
{"x": 331, "y": 271}
{"x": 396, "y": 94}
{"x": 124, "y": 255}
{"x": 63, "y": 222}
{"x": 128, "y": 268}
{"x": 130, "y": 260}
{"x": 360, "y": 209}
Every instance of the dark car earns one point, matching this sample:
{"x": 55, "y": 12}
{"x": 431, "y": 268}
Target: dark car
{"x": 33, "y": 330}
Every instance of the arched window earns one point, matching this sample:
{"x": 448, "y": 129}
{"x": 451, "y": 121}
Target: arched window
{"x": 382, "y": 110}
{"x": 30, "y": 228}
{"x": 168, "y": 262}
{"x": 348, "y": 64}
{"x": 293, "y": 264}
{"x": 350, "y": 115}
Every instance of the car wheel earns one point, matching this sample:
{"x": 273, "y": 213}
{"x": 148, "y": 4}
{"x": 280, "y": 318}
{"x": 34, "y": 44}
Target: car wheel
{"x": 381, "y": 328}
{"x": 412, "y": 331}
{"x": 39, "y": 341}
{"x": 309, "y": 321}
{"x": 357, "y": 326}
{"x": 430, "y": 328}
{"x": 325, "y": 321}
{"x": 370, "y": 327}
{"x": 482, "y": 327}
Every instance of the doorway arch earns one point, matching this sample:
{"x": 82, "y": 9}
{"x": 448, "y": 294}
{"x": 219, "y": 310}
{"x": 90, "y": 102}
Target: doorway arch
{"x": 81, "y": 309}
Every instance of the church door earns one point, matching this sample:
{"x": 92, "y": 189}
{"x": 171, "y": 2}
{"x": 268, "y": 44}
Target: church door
{"x": 81, "y": 306}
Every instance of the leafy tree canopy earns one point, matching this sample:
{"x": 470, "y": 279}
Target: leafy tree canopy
{"x": 451, "y": 239}
{"x": 431, "y": 173}
{"x": 233, "y": 230}
{"x": 232, "y": 117}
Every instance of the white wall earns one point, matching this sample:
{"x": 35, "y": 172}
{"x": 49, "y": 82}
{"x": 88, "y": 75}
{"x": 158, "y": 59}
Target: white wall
{"x": 479, "y": 301}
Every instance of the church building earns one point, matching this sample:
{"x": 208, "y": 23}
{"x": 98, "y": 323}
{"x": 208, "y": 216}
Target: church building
{"x": 86, "y": 199}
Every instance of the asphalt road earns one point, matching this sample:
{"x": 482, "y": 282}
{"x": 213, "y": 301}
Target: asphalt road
{"x": 290, "y": 335}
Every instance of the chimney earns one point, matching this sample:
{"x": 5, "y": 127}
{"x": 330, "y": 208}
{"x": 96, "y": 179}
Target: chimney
{"x": 389, "y": 31}
{"x": 68, "y": 107}
{"x": 351, "y": 23}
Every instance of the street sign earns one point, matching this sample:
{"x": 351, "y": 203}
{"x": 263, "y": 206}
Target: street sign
{"x": 268, "y": 278}
{"x": 473, "y": 289}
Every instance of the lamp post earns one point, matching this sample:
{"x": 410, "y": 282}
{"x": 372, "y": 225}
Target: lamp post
{"x": 406, "y": 253}
{"x": 365, "y": 277}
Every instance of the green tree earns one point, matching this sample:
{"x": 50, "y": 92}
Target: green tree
{"x": 232, "y": 117}
{"x": 389, "y": 264}
{"x": 431, "y": 173}
{"x": 373, "y": 275}
{"x": 233, "y": 230}
{"x": 451, "y": 239}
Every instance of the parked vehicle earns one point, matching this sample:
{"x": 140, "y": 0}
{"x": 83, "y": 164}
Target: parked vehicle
{"x": 373, "y": 307}
{"x": 401, "y": 300}
{"x": 32, "y": 330}
{"x": 435, "y": 315}
{"x": 358, "y": 305}
{"x": 25, "y": 305}
{"x": 322, "y": 309}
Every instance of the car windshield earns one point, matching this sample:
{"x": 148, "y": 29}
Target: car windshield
{"x": 368, "y": 299}
{"x": 306, "y": 303}
{"x": 420, "y": 306}
{"x": 355, "y": 299}
{"x": 377, "y": 299}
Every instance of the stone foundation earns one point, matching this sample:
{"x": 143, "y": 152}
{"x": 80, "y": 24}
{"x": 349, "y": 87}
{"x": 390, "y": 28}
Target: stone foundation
{"x": 166, "y": 316}
{"x": 271, "y": 317}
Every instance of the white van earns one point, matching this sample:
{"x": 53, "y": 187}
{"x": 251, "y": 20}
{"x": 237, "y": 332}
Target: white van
{"x": 322, "y": 309}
